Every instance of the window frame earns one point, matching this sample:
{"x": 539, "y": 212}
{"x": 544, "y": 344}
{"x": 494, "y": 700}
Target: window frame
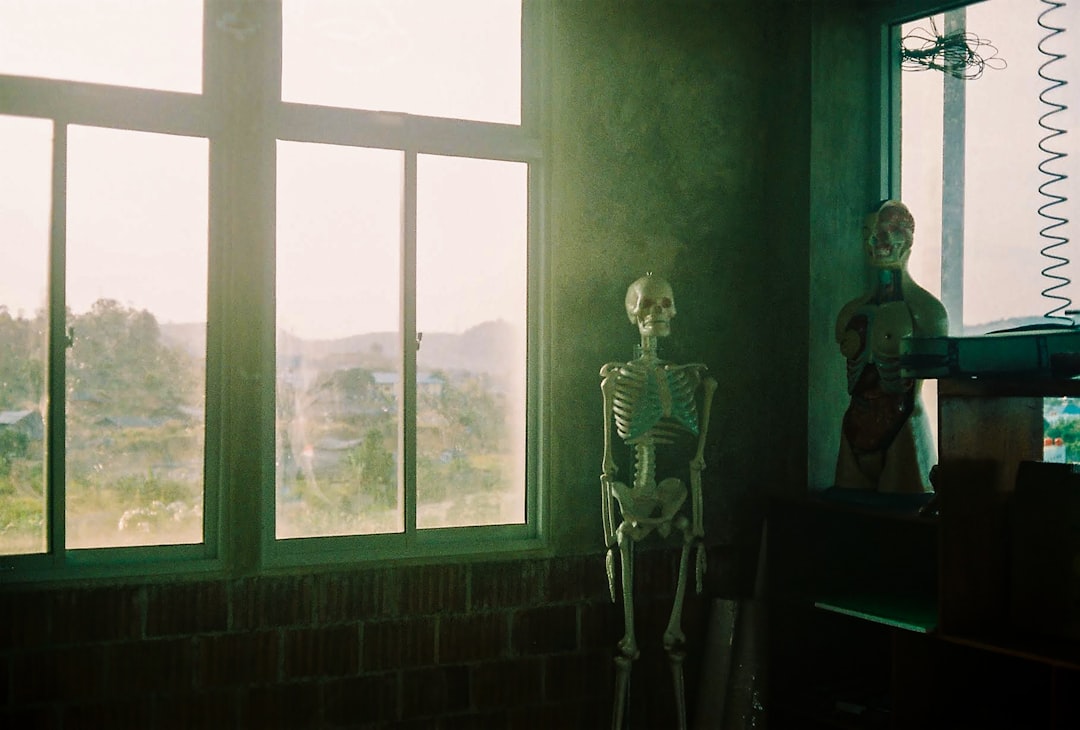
{"x": 241, "y": 113}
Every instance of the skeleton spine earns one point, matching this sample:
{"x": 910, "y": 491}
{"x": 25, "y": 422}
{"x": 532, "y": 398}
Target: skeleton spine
{"x": 645, "y": 466}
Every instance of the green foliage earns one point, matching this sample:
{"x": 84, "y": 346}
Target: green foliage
{"x": 22, "y": 521}
{"x": 119, "y": 360}
{"x": 13, "y": 445}
{"x": 22, "y": 360}
{"x": 373, "y": 469}
{"x": 1065, "y": 426}
{"x": 133, "y": 453}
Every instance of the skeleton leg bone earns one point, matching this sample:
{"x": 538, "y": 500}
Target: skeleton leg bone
{"x": 628, "y": 649}
{"x": 674, "y": 638}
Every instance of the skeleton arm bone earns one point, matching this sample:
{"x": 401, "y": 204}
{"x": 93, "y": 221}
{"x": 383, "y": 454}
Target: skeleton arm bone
{"x": 698, "y": 463}
{"x": 608, "y": 468}
{"x": 697, "y": 529}
{"x": 607, "y": 476}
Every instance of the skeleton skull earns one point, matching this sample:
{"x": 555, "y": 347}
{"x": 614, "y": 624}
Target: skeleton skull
{"x": 888, "y": 235}
{"x": 650, "y": 305}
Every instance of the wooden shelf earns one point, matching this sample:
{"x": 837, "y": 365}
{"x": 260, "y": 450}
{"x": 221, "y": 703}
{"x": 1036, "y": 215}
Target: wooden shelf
{"x": 911, "y": 613}
{"x": 1051, "y": 652}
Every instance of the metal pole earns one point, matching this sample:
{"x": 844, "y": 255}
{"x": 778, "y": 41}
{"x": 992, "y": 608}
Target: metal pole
{"x": 952, "y": 187}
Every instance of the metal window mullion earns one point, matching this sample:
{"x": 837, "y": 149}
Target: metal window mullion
{"x": 241, "y": 88}
{"x": 537, "y": 426}
{"x": 410, "y": 344}
{"x": 952, "y": 186}
{"x": 892, "y": 113}
{"x": 56, "y": 434}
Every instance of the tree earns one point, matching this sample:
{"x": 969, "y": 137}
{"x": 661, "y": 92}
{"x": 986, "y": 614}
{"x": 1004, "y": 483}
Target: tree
{"x": 22, "y": 360}
{"x": 374, "y": 469}
{"x": 119, "y": 358}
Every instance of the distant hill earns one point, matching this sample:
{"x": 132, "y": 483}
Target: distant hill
{"x": 483, "y": 348}
{"x": 1008, "y": 324}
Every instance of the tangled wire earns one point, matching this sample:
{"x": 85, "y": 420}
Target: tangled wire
{"x": 956, "y": 54}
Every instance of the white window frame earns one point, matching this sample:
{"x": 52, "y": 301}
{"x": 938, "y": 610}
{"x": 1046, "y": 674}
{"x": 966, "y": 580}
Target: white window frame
{"x": 241, "y": 112}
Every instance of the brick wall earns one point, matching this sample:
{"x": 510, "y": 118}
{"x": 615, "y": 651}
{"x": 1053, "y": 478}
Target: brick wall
{"x": 507, "y": 645}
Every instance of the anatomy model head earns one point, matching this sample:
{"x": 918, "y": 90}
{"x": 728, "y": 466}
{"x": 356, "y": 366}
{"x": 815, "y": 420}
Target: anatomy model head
{"x": 650, "y": 305}
{"x": 888, "y": 235}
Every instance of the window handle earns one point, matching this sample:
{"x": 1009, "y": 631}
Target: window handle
{"x": 419, "y": 336}
{"x": 69, "y": 339}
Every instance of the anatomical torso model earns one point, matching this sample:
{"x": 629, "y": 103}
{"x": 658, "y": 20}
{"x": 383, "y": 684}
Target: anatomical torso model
{"x": 885, "y": 442}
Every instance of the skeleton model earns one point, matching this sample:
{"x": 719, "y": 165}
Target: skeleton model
{"x": 652, "y": 403}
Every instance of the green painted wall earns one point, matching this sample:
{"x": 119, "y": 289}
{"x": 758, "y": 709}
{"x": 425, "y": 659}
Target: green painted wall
{"x": 848, "y": 96}
{"x": 681, "y": 144}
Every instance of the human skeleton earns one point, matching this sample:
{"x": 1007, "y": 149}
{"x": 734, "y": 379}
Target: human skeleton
{"x": 652, "y": 403}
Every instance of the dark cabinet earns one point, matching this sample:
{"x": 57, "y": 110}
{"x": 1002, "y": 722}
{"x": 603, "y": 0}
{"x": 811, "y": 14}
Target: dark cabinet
{"x": 962, "y": 615}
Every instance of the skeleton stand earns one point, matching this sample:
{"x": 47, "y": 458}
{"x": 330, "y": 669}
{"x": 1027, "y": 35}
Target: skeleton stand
{"x": 652, "y": 403}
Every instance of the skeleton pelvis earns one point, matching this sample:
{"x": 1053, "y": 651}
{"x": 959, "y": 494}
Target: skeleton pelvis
{"x": 649, "y": 508}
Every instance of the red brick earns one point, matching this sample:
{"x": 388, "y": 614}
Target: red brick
{"x": 270, "y": 602}
{"x": 545, "y": 630}
{"x": 120, "y": 713}
{"x": 579, "y": 676}
{"x": 151, "y": 666}
{"x": 186, "y": 608}
{"x": 65, "y": 674}
{"x": 593, "y": 714}
{"x": 354, "y": 702}
{"x": 327, "y": 652}
{"x": 433, "y": 589}
{"x": 601, "y": 625}
{"x": 398, "y": 644}
{"x": 656, "y": 571}
{"x": 434, "y": 692}
{"x": 507, "y": 684}
{"x": 508, "y": 584}
{"x": 225, "y": 660}
{"x": 199, "y": 710}
{"x": 97, "y": 614}
{"x": 5, "y": 680}
{"x": 651, "y": 615}
{"x": 345, "y": 597}
{"x": 476, "y": 721}
{"x": 38, "y": 717}
{"x": 577, "y": 578}
{"x": 426, "y": 723}
{"x": 474, "y": 637}
{"x": 25, "y": 619}
{"x": 284, "y": 706}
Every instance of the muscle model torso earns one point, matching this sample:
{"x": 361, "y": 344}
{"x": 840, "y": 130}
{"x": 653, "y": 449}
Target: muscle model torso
{"x": 885, "y": 439}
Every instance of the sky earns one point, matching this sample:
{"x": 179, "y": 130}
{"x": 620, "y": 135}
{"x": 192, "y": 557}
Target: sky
{"x": 137, "y": 202}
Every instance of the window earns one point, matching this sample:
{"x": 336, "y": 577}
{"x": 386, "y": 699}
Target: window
{"x": 268, "y": 312}
{"x": 991, "y": 180}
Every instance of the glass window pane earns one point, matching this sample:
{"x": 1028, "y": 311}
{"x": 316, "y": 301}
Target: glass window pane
{"x": 26, "y": 152}
{"x": 136, "y": 297}
{"x": 1018, "y": 178}
{"x": 472, "y": 250}
{"x": 995, "y": 122}
{"x": 459, "y": 59}
{"x": 152, "y": 44}
{"x": 338, "y": 343}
